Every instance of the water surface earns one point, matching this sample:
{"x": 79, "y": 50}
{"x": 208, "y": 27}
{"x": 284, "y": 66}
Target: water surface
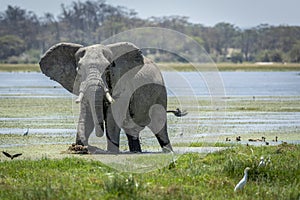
{"x": 179, "y": 83}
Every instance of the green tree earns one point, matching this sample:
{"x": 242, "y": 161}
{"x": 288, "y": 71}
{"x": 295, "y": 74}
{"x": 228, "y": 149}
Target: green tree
{"x": 276, "y": 56}
{"x": 11, "y": 45}
{"x": 19, "y": 22}
{"x": 248, "y": 43}
{"x": 295, "y": 52}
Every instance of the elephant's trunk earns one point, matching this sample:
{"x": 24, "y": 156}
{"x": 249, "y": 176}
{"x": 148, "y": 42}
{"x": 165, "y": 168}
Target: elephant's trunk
{"x": 93, "y": 89}
{"x": 96, "y": 104}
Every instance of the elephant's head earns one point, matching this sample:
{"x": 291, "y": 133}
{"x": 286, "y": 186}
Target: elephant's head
{"x": 90, "y": 72}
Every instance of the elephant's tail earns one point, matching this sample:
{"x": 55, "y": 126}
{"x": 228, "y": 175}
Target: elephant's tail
{"x": 178, "y": 112}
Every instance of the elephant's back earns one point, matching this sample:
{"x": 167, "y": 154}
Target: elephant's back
{"x": 150, "y": 72}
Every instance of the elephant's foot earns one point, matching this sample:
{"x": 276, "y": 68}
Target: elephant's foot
{"x": 112, "y": 147}
{"x": 167, "y": 149}
{"x": 81, "y": 142}
{"x": 164, "y": 141}
{"x": 134, "y": 144}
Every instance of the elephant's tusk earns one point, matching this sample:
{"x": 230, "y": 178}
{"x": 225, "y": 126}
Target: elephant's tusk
{"x": 109, "y": 97}
{"x": 79, "y": 99}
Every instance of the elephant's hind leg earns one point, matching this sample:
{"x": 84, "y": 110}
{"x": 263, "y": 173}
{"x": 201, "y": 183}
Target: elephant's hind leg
{"x": 158, "y": 126}
{"x": 163, "y": 139}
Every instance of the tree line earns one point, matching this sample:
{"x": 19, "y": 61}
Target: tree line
{"x": 24, "y": 36}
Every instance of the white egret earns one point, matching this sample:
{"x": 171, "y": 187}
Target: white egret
{"x": 269, "y": 160}
{"x": 243, "y": 181}
{"x": 262, "y": 162}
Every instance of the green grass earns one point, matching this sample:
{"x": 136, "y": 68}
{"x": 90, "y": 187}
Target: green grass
{"x": 38, "y": 112}
{"x": 177, "y": 67}
{"x": 193, "y": 176}
{"x": 231, "y": 67}
{"x": 19, "y": 68}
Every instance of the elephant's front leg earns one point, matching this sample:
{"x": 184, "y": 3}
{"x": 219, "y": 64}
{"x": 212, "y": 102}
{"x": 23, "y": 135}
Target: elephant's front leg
{"x": 112, "y": 132}
{"x": 85, "y": 124}
{"x": 158, "y": 126}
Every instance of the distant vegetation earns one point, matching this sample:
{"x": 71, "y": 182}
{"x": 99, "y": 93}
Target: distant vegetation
{"x": 24, "y": 36}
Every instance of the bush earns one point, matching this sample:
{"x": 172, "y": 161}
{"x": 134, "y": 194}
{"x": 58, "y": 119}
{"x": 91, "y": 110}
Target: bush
{"x": 29, "y": 57}
{"x": 270, "y": 56}
{"x": 237, "y": 57}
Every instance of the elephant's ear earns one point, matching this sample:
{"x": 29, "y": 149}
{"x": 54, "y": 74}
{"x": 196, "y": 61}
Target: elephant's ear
{"x": 59, "y": 63}
{"x": 126, "y": 55}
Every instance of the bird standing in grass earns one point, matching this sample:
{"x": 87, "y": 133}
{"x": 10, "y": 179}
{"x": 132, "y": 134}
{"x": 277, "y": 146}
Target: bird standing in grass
{"x": 261, "y": 162}
{"x": 243, "y": 181}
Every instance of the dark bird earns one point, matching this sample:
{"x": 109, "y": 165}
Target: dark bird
{"x": 238, "y": 138}
{"x": 178, "y": 112}
{"x": 228, "y": 139}
{"x": 11, "y": 156}
{"x": 276, "y": 139}
{"x": 26, "y": 132}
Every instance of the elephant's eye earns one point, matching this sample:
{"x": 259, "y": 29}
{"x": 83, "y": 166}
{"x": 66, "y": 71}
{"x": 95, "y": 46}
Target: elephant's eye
{"x": 79, "y": 54}
{"x": 113, "y": 64}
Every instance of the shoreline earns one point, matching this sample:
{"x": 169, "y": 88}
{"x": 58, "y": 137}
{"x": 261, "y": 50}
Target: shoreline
{"x": 180, "y": 67}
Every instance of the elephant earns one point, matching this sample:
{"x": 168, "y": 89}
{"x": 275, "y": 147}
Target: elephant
{"x": 117, "y": 87}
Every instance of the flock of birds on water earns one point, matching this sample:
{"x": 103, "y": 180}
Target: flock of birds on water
{"x": 238, "y": 186}
{"x": 263, "y": 139}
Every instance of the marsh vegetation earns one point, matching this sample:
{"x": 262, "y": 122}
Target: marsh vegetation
{"x": 46, "y": 171}
{"x": 193, "y": 176}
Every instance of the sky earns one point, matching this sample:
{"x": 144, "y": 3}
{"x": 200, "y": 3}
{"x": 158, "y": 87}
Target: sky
{"x": 241, "y": 13}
